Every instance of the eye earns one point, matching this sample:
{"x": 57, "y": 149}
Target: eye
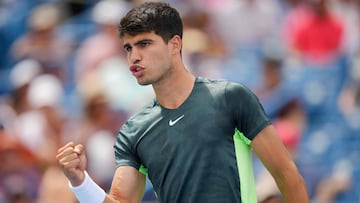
{"x": 127, "y": 48}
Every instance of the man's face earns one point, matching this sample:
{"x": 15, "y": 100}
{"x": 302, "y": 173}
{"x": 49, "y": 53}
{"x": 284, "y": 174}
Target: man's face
{"x": 149, "y": 57}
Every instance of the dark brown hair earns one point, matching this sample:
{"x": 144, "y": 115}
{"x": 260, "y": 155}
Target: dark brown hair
{"x": 157, "y": 17}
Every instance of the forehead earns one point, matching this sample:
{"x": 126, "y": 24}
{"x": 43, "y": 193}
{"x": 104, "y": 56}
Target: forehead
{"x": 132, "y": 39}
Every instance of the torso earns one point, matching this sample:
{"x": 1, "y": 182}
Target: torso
{"x": 189, "y": 151}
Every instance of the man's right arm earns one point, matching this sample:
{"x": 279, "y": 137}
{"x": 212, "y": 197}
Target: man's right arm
{"x": 128, "y": 186}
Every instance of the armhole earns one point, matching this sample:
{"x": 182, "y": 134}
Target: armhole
{"x": 143, "y": 170}
{"x": 245, "y": 167}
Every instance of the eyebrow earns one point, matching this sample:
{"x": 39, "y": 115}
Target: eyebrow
{"x": 127, "y": 45}
{"x": 142, "y": 41}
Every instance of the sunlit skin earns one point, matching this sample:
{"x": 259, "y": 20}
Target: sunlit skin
{"x": 153, "y": 61}
{"x": 148, "y": 56}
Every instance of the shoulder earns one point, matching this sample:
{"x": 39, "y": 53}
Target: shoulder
{"x": 220, "y": 83}
{"x": 211, "y": 82}
{"x": 215, "y": 84}
{"x": 227, "y": 89}
{"x": 142, "y": 118}
{"x": 223, "y": 85}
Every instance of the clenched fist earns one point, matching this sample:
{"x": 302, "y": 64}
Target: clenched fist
{"x": 72, "y": 160}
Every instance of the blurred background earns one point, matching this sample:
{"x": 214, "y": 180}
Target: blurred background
{"x": 64, "y": 76}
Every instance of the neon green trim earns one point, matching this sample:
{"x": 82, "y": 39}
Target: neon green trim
{"x": 143, "y": 170}
{"x": 242, "y": 137}
{"x": 245, "y": 167}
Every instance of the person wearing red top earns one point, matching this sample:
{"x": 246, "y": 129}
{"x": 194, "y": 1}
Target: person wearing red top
{"x": 319, "y": 35}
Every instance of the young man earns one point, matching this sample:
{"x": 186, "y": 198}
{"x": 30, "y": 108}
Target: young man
{"x": 183, "y": 139}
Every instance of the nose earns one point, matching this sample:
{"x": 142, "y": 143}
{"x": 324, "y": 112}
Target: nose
{"x": 134, "y": 56}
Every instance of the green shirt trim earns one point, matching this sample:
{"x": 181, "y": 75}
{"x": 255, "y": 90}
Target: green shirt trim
{"x": 143, "y": 170}
{"x": 245, "y": 168}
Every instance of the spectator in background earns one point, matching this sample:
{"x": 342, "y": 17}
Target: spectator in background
{"x": 349, "y": 99}
{"x": 21, "y": 75}
{"x": 314, "y": 32}
{"x": 330, "y": 187}
{"x": 272, "y": 85}
{"x": 40, "y": 128}
{"x": 243, "y": 27}
{"x": 348, "y": 12}
{"x": 19, "y": 171}
{"x": 274, "y": 91}
{"x": 13, "y": 16}
{"x": 203, "y": 47}
{"x": 12, "y": 25}
{"x": 41, "y": 42}
{"x": 105, "y": 41}
{"x": 244, "y": 22}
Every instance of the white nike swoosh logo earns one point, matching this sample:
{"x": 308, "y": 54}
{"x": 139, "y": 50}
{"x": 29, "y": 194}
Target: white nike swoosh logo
{"x": 172, "y": 123}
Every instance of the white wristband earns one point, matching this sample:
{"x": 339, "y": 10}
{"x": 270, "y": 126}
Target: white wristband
{"x": 88, "y": 191}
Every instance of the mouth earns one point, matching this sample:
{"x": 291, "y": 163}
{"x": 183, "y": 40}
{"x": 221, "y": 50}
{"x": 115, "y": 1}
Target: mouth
{"x": 136, "y": 70}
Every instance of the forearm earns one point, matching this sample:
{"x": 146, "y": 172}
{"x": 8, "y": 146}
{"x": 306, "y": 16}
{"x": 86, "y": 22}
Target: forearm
{"x": 89, "y": 192}
{"x": 292, "y": 187}
{"x": 279, "y": 163}
{"x": 109, "y": 199}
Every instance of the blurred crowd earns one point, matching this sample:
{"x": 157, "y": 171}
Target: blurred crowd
{"x": 64, "y": 77}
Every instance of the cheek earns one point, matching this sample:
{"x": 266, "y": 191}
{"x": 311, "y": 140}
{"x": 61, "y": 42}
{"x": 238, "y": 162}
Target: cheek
{"x": 159, "y": 59}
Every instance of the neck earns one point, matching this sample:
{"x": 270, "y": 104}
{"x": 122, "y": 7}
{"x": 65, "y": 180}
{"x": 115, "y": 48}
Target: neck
{"x": 175, "y": 89}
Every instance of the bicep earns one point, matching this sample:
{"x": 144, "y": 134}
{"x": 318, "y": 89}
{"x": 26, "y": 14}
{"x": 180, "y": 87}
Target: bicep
{"x": 275, "y": 157}
{"x": 128, "y": 185}
{"x": 271, "y": 151}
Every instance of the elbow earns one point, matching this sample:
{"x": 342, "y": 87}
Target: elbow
{"x": 292, "y": 185}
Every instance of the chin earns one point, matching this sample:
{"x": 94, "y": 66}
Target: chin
{"x": 143, "y": 83}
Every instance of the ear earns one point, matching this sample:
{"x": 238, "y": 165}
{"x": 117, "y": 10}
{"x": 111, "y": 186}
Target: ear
{"x": 175, "y": 44}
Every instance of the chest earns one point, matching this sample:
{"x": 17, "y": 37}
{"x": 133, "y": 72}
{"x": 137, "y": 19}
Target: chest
{"x": 190, "y": 131}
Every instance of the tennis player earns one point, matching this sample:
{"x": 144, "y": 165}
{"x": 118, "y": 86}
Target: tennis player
{"x": 183, "y": 140}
